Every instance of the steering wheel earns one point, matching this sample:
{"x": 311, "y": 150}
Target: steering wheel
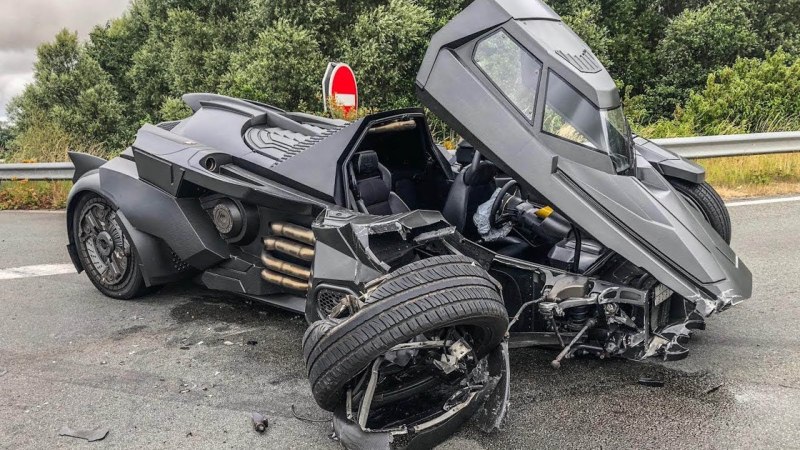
{"x": 496, "y": 216}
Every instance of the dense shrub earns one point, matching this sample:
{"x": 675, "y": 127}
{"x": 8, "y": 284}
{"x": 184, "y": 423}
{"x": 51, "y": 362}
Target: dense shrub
{"x": 749, "y": 97}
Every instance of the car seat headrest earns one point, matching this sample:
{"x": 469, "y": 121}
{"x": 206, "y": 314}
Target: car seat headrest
{"x": 481, "y": 173}
{"x": 464, "y": 153}
{"x": 367, "y": 163}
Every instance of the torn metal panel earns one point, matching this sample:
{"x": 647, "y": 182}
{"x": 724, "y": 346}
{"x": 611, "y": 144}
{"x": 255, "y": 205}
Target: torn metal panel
{"x": 374, "y": 243}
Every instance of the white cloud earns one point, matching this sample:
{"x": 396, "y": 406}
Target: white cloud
{"x": 10, "y": 86}
{"x": 24, "y": 24}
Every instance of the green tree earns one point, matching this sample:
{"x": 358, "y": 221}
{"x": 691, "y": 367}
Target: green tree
{"x": 283, "y": 67}
{"x": 776, "y": 23}
{"x": 6, "y": 135}
{"x": 752, "y": 95}
{"x": 71, "y": 90}
{"x": 149, "y": 78}
{"x": 385, "y": 49}
{"x": 113, "y": 45}
{"x": 697, "y": 42}
{"x": 323, "y": 18}
{"x": 174, "y": 108}
{"x": 443, "y": 10}
{"x": 585, "y": 18}
{"x": 198, "y": 52}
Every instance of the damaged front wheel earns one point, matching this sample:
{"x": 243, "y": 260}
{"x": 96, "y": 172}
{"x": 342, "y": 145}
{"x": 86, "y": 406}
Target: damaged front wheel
{"x": 421, "y": 355}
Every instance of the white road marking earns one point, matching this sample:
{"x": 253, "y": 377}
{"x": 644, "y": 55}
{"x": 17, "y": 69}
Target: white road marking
{"x": 33, "y": 211}
{"x": 36, "y": 271}
{"x": 763, "y": 201}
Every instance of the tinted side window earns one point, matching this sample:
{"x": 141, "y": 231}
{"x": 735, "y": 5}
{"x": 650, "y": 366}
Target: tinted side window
{"x": 511, "y": 68}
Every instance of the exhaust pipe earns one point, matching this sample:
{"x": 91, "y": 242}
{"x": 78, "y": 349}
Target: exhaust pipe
{"x": 283, "y": 281}
{"x": 295, "y": 232}
{"x": 292, "y": 240}
{"x": 290, "y": 248}
{"x": 285, "y": 268}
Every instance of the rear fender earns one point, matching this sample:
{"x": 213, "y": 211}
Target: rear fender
{"x": 156, "y": 260}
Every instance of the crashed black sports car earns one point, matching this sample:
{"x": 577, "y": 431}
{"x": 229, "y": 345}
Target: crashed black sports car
{"x": 552, "y": 226}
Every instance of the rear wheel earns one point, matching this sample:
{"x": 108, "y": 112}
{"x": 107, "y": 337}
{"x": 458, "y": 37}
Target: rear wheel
{"x": 705, "y": 200}
{"x": 104, "y": 249}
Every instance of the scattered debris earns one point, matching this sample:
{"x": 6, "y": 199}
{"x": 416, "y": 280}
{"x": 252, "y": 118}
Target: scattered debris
{"x": 252, "y": 342}
{"x": 651, "y": 382}
{"x": 714, "y": 388}
{"x": 307, "y": 419}
{"x": 260, "y": 423}
{"x": 96, "y": 434}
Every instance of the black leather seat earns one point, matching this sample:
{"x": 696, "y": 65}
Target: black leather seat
{"x": 473, "y": 185}
{"x": 373, "y": 184}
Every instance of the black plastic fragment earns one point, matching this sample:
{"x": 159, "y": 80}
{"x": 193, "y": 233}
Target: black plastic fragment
{"x": 651, "y": 382}
{"x": 91, "y": 435}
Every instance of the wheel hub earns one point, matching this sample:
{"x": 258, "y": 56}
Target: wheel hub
{"x": 104, "y": 244}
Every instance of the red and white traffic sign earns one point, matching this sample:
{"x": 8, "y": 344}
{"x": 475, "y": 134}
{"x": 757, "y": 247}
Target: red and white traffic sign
{"x": 339, "y": 87}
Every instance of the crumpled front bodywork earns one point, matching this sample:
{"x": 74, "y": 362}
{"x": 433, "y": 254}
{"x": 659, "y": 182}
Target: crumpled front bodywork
{"x": 355, "y": 249}
{"x": 639, "y": 215}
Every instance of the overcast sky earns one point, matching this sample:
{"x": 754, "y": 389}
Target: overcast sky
{"x": 24, "y": 24}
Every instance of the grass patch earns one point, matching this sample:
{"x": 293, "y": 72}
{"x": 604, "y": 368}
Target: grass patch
{"x": 24, "y": 194}
{"x": 751, "y": 176}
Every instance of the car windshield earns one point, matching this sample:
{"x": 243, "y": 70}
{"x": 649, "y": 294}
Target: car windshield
{"x": 568, "y": 115}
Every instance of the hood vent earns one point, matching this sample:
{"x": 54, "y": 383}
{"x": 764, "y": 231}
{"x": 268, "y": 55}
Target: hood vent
{"x": 585, "y": 62}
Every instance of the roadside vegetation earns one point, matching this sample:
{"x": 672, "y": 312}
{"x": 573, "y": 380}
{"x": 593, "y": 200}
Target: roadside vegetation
{"x": 24, "y": 194}
{"x": 686, "y": 68}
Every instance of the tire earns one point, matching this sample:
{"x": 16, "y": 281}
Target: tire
{"x": 128, "y": 283}
{"x": 707, "y": 201}
{"x": 424, "y": 296}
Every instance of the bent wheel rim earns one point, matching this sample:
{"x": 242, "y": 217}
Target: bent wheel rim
{"x": 105, "y": 245}
{"x": 408, "y": 381}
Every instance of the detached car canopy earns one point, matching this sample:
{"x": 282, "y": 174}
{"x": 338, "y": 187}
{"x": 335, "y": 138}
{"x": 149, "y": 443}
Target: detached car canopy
{"x": 523, "y": 88}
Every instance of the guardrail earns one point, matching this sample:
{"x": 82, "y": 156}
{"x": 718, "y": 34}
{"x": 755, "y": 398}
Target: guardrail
{"x": 732, "y": 145}
{"x": 37, "y": 171}
{"x": 690, "y": 147}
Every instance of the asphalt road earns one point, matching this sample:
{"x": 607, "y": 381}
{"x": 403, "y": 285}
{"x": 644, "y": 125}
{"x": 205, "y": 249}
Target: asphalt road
{"x": 175, "y": 368}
